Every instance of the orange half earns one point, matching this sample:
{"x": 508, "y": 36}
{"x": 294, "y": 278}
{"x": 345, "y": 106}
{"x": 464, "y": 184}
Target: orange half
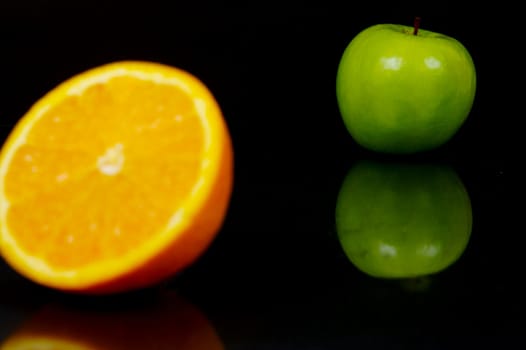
{"x": 116, "y": 179}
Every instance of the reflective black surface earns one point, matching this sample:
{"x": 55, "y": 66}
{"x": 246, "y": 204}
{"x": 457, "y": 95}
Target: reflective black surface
{"x": 277, "y": 277}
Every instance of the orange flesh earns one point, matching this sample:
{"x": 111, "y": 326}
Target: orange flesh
{"x": 106, "y": 190}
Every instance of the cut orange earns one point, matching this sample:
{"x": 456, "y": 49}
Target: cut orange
{"x": 169, "y": 323}
{"x": 115, "y": 180}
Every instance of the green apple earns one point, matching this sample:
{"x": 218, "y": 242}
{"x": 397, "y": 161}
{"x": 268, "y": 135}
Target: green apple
{"x": 404, "y": 90}
{"x": 402, "y": 220}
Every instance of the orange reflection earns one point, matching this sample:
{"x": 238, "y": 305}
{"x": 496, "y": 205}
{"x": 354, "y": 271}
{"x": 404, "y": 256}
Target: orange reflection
{"x": 169, "y": 323}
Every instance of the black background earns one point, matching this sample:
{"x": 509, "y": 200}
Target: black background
{"x": 276, "y": 276}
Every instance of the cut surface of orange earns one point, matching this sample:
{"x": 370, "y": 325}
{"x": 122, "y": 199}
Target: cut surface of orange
{"x": 116, "y": 179}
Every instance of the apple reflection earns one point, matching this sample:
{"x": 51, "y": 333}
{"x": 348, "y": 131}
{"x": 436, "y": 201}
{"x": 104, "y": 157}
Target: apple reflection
{"x": 170, "y": 322}
{"x": 402, "y": 220}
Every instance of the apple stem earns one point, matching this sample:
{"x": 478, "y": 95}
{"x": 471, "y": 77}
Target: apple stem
{"x": 416, "y": 25}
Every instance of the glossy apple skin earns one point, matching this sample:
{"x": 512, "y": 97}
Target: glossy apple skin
{"x": 397, "y": 220}
{"x": 401, "y": 93}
